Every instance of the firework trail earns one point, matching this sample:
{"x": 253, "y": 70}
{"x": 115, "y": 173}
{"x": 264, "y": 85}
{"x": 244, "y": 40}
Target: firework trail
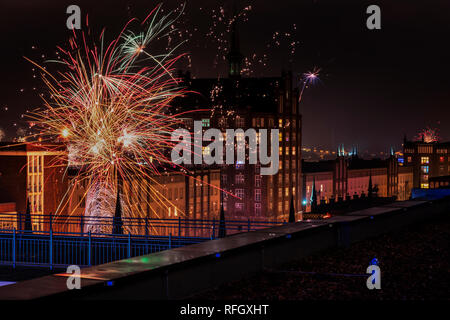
{"x": 308, "y": 78}
{"x": 111, "y": 105}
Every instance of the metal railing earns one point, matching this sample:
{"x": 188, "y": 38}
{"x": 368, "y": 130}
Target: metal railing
{"x": 57, "y": 249}
{"x": 181, "y": 227}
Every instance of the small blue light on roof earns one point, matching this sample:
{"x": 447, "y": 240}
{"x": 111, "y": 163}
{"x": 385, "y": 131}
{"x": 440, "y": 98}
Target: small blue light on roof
{"x": 218, "y": 255}
{"x": 110, "y": 283}
{"x": 371, "y": 217}
{"x": 288, "y": 236}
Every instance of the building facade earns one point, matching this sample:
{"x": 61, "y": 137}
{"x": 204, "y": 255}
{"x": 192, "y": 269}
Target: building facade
{"x": 427, "y": 160}
{"x": 33, "y": 173}
{"x": 350, "y": 177}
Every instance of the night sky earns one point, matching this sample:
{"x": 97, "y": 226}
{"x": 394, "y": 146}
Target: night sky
{"x": 375, "y": 85}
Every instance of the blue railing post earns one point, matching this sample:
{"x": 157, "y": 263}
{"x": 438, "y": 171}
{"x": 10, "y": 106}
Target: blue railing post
{"x": 129, "y": 245}
{"x": 89, "y": 249}
{"x": 51, "y": 249}
{"x": 170, "y": 241}
{"x": 213, "y": 236}
{"x": 179, "y": 226}
{"x": 248, "y": 225}
{"x": 14, "y": 248}
{"x": 51, "y": 222}
{"x": 146, "y": 226}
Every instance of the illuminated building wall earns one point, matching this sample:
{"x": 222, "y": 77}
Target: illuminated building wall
{"x": 258, "y": 103}
{"x": 165, "y": 196}
{"x": 427, "y": 160}
{"x": 347, "y": 177}
{"x": 35, "y": 173}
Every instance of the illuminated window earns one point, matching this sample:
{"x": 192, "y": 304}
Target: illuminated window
{"x": 441, "y": 159}
{"x": 425, "y": 169}
{"x": 424, "y": 160}
{"x": 424, "y": 185}
{"x": 206, "y": 150}
{"x": 205, "y": 123}
{"x": 280, "y": 123}
{"x": 280, "y": 137}
{"x": 409, "y": 159}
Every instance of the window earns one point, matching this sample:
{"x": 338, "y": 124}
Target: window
{"x": 258, "y": 195}
{"x": 224, "y": 179}
{"x": 409, "y": 159}
{"x": 240, "y": 193}
{"x": 424, "y": 185}
{"x": 425, "y": 169}
{"x": 239, "y": 178}
{"x": 206, "y": 150}
{"x": 424, "y": 160}
{"x": 257, "y": 181}
{"x": 240, "y": 122}
{"x": 280, "y": 123}
{"x": 205, "y": 123}
{"x": 257, "y": 209}
{"x": 441, "y": 159}
{"x": 239, "y": 206}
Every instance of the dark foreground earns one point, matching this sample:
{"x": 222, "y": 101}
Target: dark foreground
{"x": 414, "y": 263}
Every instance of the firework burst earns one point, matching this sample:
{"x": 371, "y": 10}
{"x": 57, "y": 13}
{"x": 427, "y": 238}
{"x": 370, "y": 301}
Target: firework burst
{"x": 111, "y": 105}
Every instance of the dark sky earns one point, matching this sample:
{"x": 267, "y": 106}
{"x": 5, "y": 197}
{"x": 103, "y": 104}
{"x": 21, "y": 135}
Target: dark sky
{"x": 375, "y": 86}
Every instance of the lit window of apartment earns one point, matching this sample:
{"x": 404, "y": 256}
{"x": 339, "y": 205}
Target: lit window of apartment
{"x": 205, "y": 123}
{"x": 425, "y": 160}
{"x": 425, "y": 169}
{"x": 424, "y": 185}
{"x": 286, "y": 192}
{"x": 280, "y": 123}
{"x": 258, "y": 195}
{"x": 280, "y": 192}
{"x": 441, "y": 159}
{"x": 280, "y": 137}
{"x": 206, "y": 150}
{"x": 409, "y": 159}
{"x": 280, "y": 207}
